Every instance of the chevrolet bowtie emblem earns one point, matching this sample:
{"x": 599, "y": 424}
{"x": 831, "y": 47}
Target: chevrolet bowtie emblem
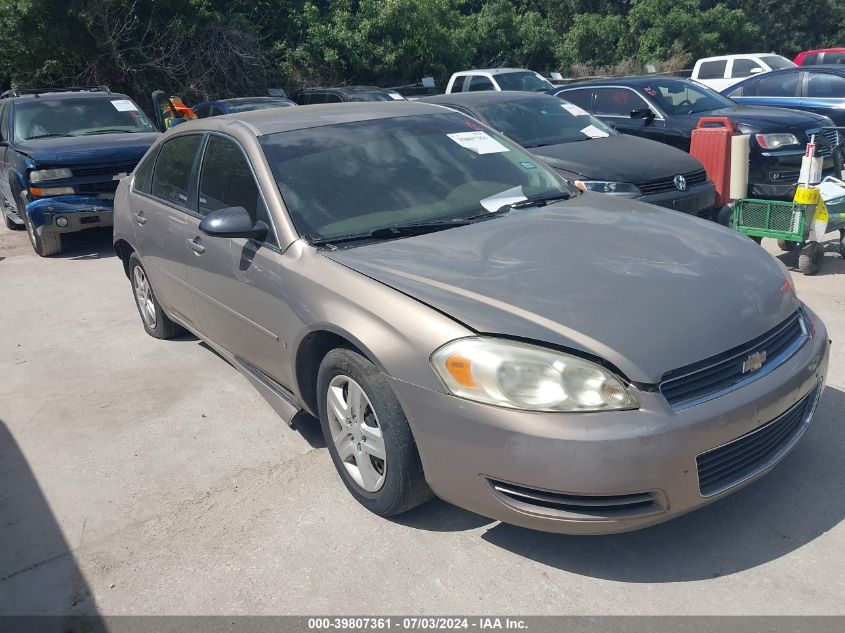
{"x": 754, "y": 362}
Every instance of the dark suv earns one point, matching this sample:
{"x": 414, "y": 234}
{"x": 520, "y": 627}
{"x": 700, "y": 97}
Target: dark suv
{"x": 311, "y": 96}
{"x": 61, "y": 155}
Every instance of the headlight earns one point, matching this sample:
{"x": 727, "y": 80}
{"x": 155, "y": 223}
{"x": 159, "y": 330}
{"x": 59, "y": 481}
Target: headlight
{"x": 40, "y": 175}
{"x": 614, "y": 188}
{"x": 522, "y": 376}
{"x": 744, "y": 128}
{"x": 776, "y": 141}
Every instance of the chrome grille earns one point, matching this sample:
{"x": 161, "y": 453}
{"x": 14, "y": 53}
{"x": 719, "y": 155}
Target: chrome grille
{"x": 832, "y": 137}
{"x": 731, "y": 464}
{"x": 111, "y": 169}
{"x": 660, "y": 185}
{"x": 560, "y": 504}
{"x": 724, "y": 372}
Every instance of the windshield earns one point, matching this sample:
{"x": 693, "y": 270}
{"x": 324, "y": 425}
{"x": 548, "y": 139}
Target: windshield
{"x": 369, "y": 96}
{"x": 543, "y": 121}
{"x": 78, "y": 116}
{"x": 259, "y": 105}
{"x": 359, "y": 177}
{"x": 523, "y": 80}
{"x": 676, "y": 96}
{"x": 776, "y": 62}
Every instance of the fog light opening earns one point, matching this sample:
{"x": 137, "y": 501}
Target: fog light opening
{"x": 61, "y": 221}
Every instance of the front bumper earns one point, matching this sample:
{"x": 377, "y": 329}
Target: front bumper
{"x": 81, "y": 212}
{"x": 774, "y": 175}
{"x": 697, "y": 200}
{"x": 468, "y": 448}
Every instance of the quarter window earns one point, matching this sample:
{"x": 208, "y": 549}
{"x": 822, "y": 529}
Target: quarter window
{"x": 172, "y": 174}
{"x": 141, "y": 181}
{"x": 618, "y": 102}
{"x": 712, "y": 70}
{"x": 226, "y": 180}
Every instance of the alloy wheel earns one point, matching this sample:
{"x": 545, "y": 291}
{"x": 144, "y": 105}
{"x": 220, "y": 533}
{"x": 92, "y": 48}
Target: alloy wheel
{"x": 144, "y": 297}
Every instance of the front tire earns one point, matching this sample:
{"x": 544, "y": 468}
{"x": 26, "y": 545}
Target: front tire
{"x": 810, "y": 258}
{"x": 156, "y": 323}
{"x": 368, "y": 435}
{"x": 787, "y": 246}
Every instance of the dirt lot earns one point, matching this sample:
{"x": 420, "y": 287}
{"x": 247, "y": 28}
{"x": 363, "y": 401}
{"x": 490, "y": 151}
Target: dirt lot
{"x": 144, "y": 476}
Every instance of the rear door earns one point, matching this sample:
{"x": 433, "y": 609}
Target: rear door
{"x": 236, "y": 281}
{"x": 824, "y": 93}
{"x": 160, "y": 208}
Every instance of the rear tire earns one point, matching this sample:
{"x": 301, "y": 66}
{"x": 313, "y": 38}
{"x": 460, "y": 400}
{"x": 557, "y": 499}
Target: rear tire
{"x": 810, "y": 259}
{"x": 786, "y": 246}
{"x": 156, "y": 323}
{"x": 356, "y": 403}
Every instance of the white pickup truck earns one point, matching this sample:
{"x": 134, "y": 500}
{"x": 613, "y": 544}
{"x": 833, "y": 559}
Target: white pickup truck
{"x": 497, "y": 79}
{"x": 724, "y": 71}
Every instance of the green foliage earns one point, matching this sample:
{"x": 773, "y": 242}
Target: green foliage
{"x": 219, "y": 48}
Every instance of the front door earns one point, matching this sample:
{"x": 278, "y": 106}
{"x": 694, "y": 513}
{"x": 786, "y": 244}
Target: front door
{"x": 615, "y": 104}
{"x": 237, "y": 282}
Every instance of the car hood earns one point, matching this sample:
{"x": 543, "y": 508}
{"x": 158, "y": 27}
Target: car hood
{"x": 768, "y": 119}
{"x": 97, "y": 148}
{"x": 647, "y": 289}
{"x": 620, "y": 158}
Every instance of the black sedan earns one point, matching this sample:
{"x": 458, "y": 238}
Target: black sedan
{"x": 667, "y": 109}
{"x": 588, "y": 152}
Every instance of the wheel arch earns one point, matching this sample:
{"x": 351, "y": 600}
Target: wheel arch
{"x": 124, "y": 251}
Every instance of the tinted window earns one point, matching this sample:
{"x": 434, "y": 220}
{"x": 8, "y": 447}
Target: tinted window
{"x": 826, "y": 86}
{"x": 543, "y": 121}
{"x": 395, "y": 171}
{"x": 259, "y": 105}
{"x": 4, "y": 121}
{"x": 523, "y": 80}
{"x": 834, "y": 58}
{"x": 333, "y": 98}
{"x": 478, "y": 82}
{"x": 316, "y": 97}
{"x": 776, "y": 62}
{"x": 172, "y": 175}
{"x": 201, "y": 111}
{"x": 810, "y": 59}
{"x": 369, "y": 96}
{"x": 78, "y": 116}
{"x": 679, "y": 96}
{"x": 774, "y": 85}
{"x": 618, "y": 101}
{"x": 141, "y": 181}
{"x": 712, "y": 70}
{"x": 743, "y": 67}
{"x": 226, "y": 180}
{"x": 582, "y": 98}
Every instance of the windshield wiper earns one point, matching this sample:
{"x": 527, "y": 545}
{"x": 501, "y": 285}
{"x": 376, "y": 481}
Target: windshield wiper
{"x": 538, "y": 201}
{"x": 111, "y": 130}
{"x": 50, "y": 135}
{"x": 389, "y": 232}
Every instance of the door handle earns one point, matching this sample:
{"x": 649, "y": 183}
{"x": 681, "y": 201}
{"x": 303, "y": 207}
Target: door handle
{"x": 199, "y": 249}
{"x": 139, "y": 217}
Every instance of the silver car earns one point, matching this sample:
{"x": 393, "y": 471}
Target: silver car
{"x": 467, "y": 324}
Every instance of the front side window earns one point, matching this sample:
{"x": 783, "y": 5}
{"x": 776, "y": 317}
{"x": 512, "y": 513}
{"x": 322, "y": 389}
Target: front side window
{"x": 810, "y": 59}
{"x": 776, "y": 85}
{"x": 582, "y": 97}
{"x": 172, "y": 174}
{"x": 356, "y": 178}
{"x": 618, "y": 101}
{"x": 523, "y": 81}
{"x": 226, "y": 180}
{"x": 777, "y": 62}
{"x": 712, "y": 70}
{"x": 479, "y": 83}
{"x": 544, "y": 121}
{"x": 826, "y": 86}
{"x": 78, "y": 116}
{"x": 677, "y": 96}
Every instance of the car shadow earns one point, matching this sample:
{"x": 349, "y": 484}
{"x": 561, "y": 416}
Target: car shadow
{"x": 88, "y": 244}
{"x": 38, "y": 571}
{"x": 797, "y": 502}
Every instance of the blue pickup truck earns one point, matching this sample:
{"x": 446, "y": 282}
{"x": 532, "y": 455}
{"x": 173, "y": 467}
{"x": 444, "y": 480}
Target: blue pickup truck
{"x": 62, "y": 154}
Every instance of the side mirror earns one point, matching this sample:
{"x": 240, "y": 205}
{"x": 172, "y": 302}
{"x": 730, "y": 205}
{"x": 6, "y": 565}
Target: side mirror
{"x": 233, "y": 222}
{"x": 643, "y": 113}
{"x": 610, "y": 124}
{"x": 756, "y": 71}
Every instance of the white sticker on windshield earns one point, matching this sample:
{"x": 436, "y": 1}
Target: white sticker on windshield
{"x": 508, "y": 196}
{"x": 478, "y": 142}
{"x": 593, "y": 132}
{"x": 574, "y": 109}
{"x": 396, "y": 96}
{"x": 124, "y": 105}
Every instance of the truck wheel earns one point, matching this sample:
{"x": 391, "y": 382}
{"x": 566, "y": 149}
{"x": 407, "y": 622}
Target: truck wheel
{"x": 44, "y": 245}
{"x": 787, "y": 246}
{"x": 810, "y": 259}
{"x": 368, "y": 436}
{"x": 156, "y": 323}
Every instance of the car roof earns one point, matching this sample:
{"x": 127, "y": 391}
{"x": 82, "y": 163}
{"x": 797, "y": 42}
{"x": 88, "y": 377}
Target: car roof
{"x": 347, "y": 89}
{"x": 242, "y": 100}
{"x": 835, "y": 49}
{"x": 622, "y": 81}
{"x": 274, "y": 120}
{"x": 494, "y": 71}
{"x": 76, "y": 94}
{"x": 484, "y": 97}
{"x": 737, "y": 56}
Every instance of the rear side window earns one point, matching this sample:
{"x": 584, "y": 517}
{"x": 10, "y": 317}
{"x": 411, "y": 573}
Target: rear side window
{"x": 141, "y": 181}
{"x": 712, "y": 70}
{"x": 316, "y": 97}
{"x": 582, "y": 98}
{"x": 478, "y": 83}
{"x": 826, "y": 86}
{"x": 226, "y": 180}
{"x": 172, "y": 175}
{"x": 618, "y": 102}
{"x": 743, "y": 67}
